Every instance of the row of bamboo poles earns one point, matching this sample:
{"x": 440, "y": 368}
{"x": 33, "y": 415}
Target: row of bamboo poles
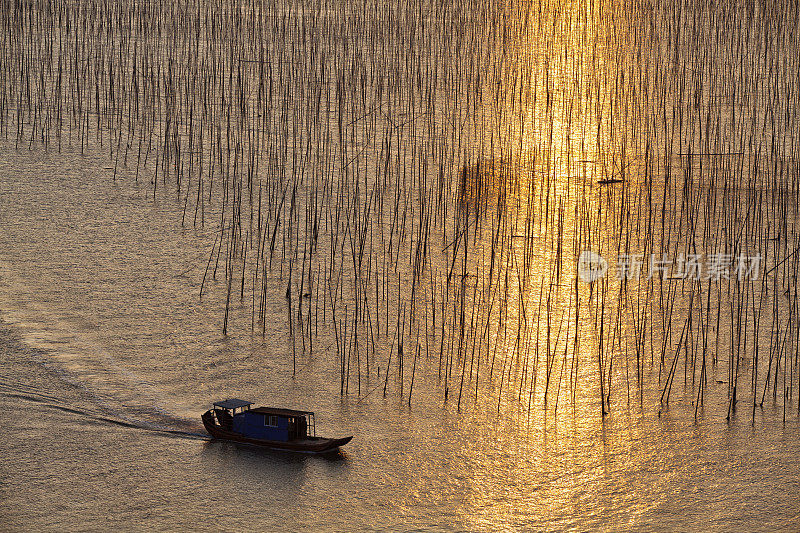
{"x": 416, "y": 180}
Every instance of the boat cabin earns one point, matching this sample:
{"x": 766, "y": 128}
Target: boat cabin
{"x": 268, "y": 423}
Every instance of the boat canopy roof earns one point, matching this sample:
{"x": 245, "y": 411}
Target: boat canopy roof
{"x": 232, "y": 403}
{"x": 279, "y": 411}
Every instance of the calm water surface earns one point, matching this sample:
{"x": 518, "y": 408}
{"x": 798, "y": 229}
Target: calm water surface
{"x": 472, "y": 138}
{"x": 103, "y": 381}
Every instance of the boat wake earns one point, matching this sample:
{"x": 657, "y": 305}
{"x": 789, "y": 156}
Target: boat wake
{"x": 50, "y": 340}
{"x": 50, "y": 403}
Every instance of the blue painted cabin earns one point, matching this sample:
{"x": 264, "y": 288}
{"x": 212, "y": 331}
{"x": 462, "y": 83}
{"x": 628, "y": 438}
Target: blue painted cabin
{"x": 267, "y": 423}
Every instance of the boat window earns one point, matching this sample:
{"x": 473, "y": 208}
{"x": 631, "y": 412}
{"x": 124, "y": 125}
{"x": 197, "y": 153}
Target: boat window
{"x": 271, "y": 420}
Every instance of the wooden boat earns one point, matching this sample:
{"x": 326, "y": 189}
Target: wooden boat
{"x": 272, "y": 427}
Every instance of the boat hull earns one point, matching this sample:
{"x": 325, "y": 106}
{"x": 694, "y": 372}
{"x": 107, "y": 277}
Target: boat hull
{"x": 306, "y": 445}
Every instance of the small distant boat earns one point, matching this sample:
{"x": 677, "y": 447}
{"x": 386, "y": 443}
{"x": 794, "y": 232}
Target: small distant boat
{"x": 272, "y": 427}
